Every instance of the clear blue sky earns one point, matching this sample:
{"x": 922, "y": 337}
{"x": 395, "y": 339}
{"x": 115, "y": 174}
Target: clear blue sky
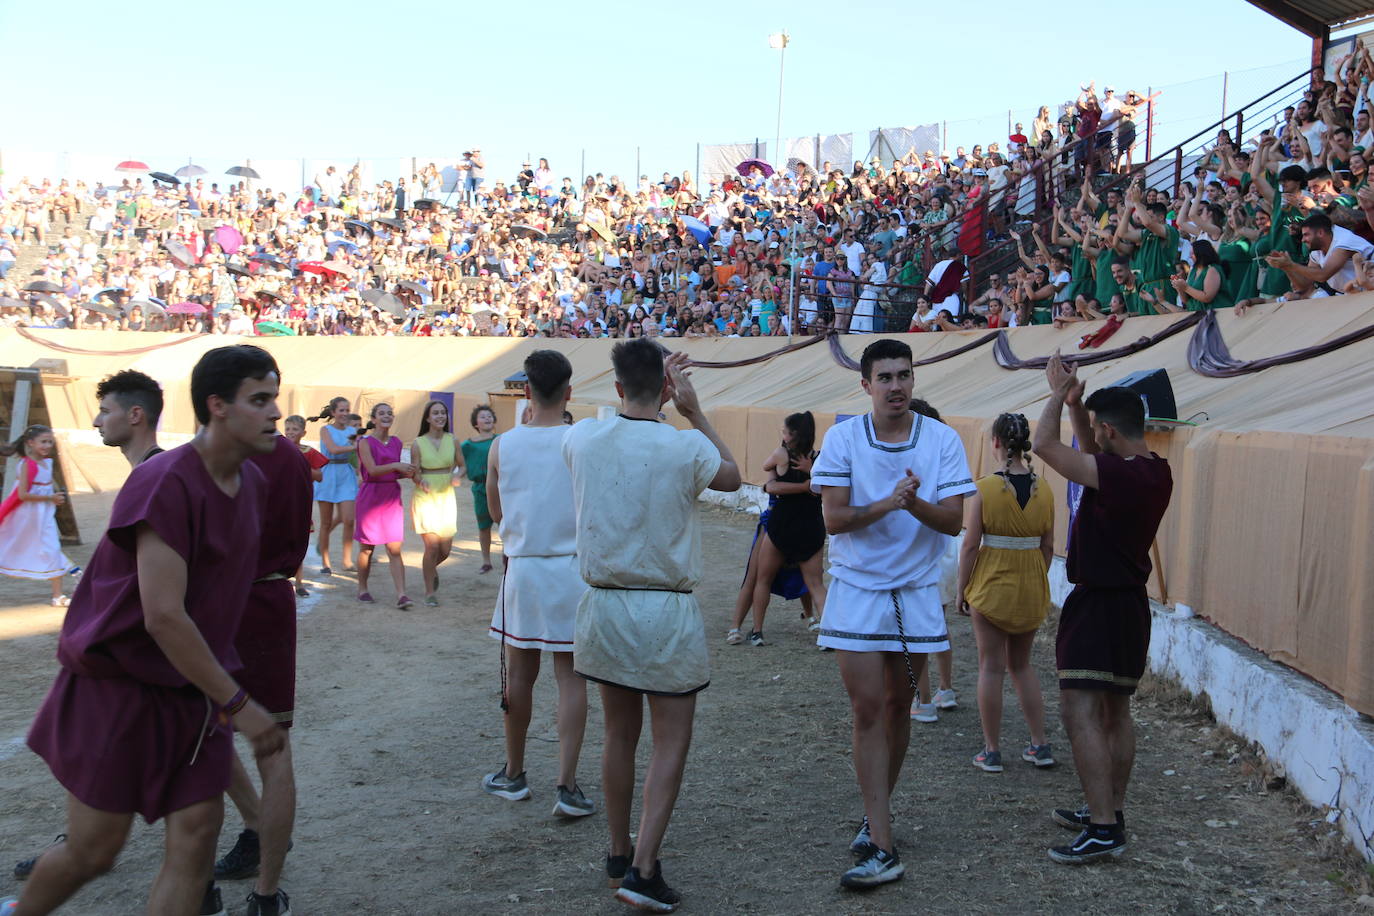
{"x": 301, "y": 78}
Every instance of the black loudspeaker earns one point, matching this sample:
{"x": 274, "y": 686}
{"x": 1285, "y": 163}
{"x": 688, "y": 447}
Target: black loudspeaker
{"x": 1153, "y": 387}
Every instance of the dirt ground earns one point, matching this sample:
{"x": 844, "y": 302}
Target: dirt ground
{"x": 397, "y": 721}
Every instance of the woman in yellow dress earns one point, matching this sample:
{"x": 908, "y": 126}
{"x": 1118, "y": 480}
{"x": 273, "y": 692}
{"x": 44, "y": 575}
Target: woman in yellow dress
{"x": 1004, "y": 584}
{"x": 433, "y": 509}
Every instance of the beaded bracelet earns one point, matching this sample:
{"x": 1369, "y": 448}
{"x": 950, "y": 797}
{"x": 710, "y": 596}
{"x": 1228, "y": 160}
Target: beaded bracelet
{"x": 236, "y": 703}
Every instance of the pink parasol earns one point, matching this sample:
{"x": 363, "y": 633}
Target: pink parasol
{"x": 185, "y": 308}
{"x": 229, "y": 238}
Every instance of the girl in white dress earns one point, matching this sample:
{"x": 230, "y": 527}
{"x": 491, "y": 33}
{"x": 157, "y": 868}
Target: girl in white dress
{"x": 29, "y": 544}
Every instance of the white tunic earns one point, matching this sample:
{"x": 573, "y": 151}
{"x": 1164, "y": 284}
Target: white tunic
{"x": 635, "y": 484}
{"x": 30, "y": 547}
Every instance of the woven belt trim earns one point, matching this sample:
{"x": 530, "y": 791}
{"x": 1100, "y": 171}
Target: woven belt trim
{"x": 1005, "y": 542}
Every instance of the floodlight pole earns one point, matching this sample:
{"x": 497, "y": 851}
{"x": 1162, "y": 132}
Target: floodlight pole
{"x": 780, "y": 41}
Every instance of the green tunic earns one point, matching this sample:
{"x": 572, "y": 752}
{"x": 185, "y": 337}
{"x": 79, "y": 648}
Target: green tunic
{"x": 1081, "y": 284}
{"x": 1196, "y": 278}
{"x": 1279, "y": 239}
{"x": 475, "y": 460}
{"x": 1238, "y": 269}
{"x": 1107, "y": 287}
{"x": 1155, "y": 257}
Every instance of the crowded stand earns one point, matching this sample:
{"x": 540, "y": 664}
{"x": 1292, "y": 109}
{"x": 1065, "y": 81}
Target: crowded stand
{"x": 880, "y": 246}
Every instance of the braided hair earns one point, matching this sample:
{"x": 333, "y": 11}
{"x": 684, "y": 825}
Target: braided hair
{"x": 1013, "y": 431}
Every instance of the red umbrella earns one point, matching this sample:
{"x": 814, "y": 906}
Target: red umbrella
{"x": 312, "y": 267}
{"x": 131, "y": 165}
{"x": 185, "y": 308}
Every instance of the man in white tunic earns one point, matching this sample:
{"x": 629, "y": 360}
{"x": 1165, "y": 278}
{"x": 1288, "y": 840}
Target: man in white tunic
{"x": 529, "y": 496}
{"x": 892, "y": 485}
{"x": 639, "y": 631}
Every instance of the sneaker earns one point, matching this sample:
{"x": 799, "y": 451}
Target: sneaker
{"x": 734, "y": 637}
{"x": 25, "y": 868}
{"x": 241, "y": 861}
{"x": 945, "y": 698}
{"x": 988, "y": 761}
{"x": 277, "y": 904}
{"x": 501, "y": 785}
{"x": 1095, "y": 843}
{"x": 1038, "y": 754}
{"x": 879, "y": 867}
{"x": 924, "y": 712}
{"x": 211, "y": 904}
{"x": 572, "y": 803}
{"x": 616, "y": 866}
{"x": 862, "y": 844}
{"x": 8, "y": 905}
{"x": 755, "y": 638}
{"x": 653, "y": 895}
{"x": 1078, "y": 820}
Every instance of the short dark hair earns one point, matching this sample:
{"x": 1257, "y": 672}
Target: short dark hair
{"x": 638, "y": 366}
{"x": 221, "y": 371}
{"x": 925, "y": 409}
{"x": 132, "y": 388}
{"x": 885, "y": 348}
{"x": 1122, "y": 408}
{"x": 1320, "y": 173}
{"x": 1293, "y": 173}
{"x": 472, "y": 420}
{"x": 547, "y": 372}
{"x": 1318, "y": 221}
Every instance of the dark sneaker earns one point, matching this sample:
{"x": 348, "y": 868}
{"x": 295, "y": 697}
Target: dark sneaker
{"x": 572, "y": 803}
{"x": 879, "y": 867}
{"x": 1078, "y": 820}
{"x": 502, "y": 786}
{"x": 1094, "y": 844}
{"x": 1038, "y": 754}
{"x": 862, "y": 844}
{"x": 277, "y": 904}
{"x": 756, "y": 638}
{"x": 241, "y": 861}
{"x": 25, "y": 868}
{"x": 616, "y": 866}
{"x": 988, "y": 761}
{"x": 652, "y": 895}
{"x": 211, "y": 904}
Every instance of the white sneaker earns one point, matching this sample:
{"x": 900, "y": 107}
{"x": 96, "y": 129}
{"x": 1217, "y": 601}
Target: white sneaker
{"x": 924, "y": 712}
{"x": 945, "y": 698}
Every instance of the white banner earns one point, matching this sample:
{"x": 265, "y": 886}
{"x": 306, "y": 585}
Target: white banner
{"x": 898, "y": 141}
{"x": 816, "y": 150}
{"x": 721, "y": 159}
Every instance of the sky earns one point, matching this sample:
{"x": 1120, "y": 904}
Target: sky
{"x": 623, "y": 84}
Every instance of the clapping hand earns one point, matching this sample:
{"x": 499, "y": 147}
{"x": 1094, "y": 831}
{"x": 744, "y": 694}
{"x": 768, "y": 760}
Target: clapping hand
{"x": 679, "y": 386}
{"x": 904, "y": 493}
{"x": 1063, "y": 382}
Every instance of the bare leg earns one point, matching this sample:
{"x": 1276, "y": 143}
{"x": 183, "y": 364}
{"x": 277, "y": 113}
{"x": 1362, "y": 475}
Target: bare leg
{"x": 624, "y": 714}
{"x": 1085, "y": 718}
{"x": 872, "y": 689}
{"x": 572, "y": 717}
{"x": 745, "y": 598}
{"x": 397, "y": 567}
{"x": 346, "y": 521}
{"x": 278, "y": 817}
{"x": 814, "y": 578}
{"x": 1121, "y": 738}
{"x": 944, "y": 662}
{"x": 769, "y": 562}
{"x": 56, "y": 583}
{"x": 992, "y": 668}
{"x": 94, "y": 840}
{"x": 429, "y": 566}
{"x": 187, "y": 859}
{"x": 522, "y": 670}
{"x": 1027, "y": 686}
{"x": 670, "y": 721}
{"x": 484, "y": 538}
{"x": 327, "y": 524}
{"x": 244, "y": 795}
{"x": 364, "y": 565}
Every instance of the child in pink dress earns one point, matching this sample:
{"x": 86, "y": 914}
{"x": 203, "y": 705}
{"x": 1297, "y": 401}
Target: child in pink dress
{"x": 380, "y": 518}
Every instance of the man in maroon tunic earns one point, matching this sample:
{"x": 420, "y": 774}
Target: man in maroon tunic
{"x": 266, "y": 644}
{"x": 1104, "y": 629}
{"x": 137, "y": 721}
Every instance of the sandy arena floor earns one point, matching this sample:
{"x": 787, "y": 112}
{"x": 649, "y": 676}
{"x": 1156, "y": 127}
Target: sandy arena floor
{"x": 397, "y": 721}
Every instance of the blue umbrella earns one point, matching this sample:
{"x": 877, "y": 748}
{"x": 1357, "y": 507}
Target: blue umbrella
{"x": 700, "y": 231}
{"x": 350, "y": 247}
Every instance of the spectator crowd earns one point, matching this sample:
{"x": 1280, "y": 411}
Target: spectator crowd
{"x": 880, "y": 246}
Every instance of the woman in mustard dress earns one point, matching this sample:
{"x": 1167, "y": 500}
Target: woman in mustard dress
{"x": 1004, "y": 584}
{"x": 433, "y": 508}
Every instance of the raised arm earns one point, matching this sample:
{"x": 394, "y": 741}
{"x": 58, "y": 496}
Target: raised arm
{"x": 1074, "y": 464}
{"x": 679, "y": 388}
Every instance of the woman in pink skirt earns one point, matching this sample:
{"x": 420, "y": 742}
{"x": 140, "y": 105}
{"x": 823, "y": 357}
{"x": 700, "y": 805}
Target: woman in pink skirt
{"x": 380, "y": 518}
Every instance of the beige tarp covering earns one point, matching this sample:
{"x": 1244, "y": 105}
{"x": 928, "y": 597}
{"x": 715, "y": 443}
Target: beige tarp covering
{"x": 1271, "y": 530}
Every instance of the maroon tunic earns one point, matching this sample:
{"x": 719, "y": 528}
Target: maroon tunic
{"x": 122, "y": 729}
{"x": 266, "y": 640}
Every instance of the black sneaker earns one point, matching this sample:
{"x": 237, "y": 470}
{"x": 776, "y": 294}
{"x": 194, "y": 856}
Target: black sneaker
{"x": 756, "y": 638}
{"x": 241, "y": 861}
{"x": 651, "y": 895}
{"x": 211, "y": 904}
{"x": 25, "y": 868}
{"x": 616, "y": 866}
{"x": 1095, "y": 843}
{"x": 1080, "y": 819}
{"x": 879, "y": 867}
{"x": 277, "y": 904}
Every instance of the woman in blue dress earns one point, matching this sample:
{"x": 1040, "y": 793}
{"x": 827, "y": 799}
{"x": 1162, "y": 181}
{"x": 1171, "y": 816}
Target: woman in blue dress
{"x": 338, "y": 490}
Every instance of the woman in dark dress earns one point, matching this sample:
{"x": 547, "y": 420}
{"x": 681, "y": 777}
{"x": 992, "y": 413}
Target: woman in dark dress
{"x": 795, "y": 533}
